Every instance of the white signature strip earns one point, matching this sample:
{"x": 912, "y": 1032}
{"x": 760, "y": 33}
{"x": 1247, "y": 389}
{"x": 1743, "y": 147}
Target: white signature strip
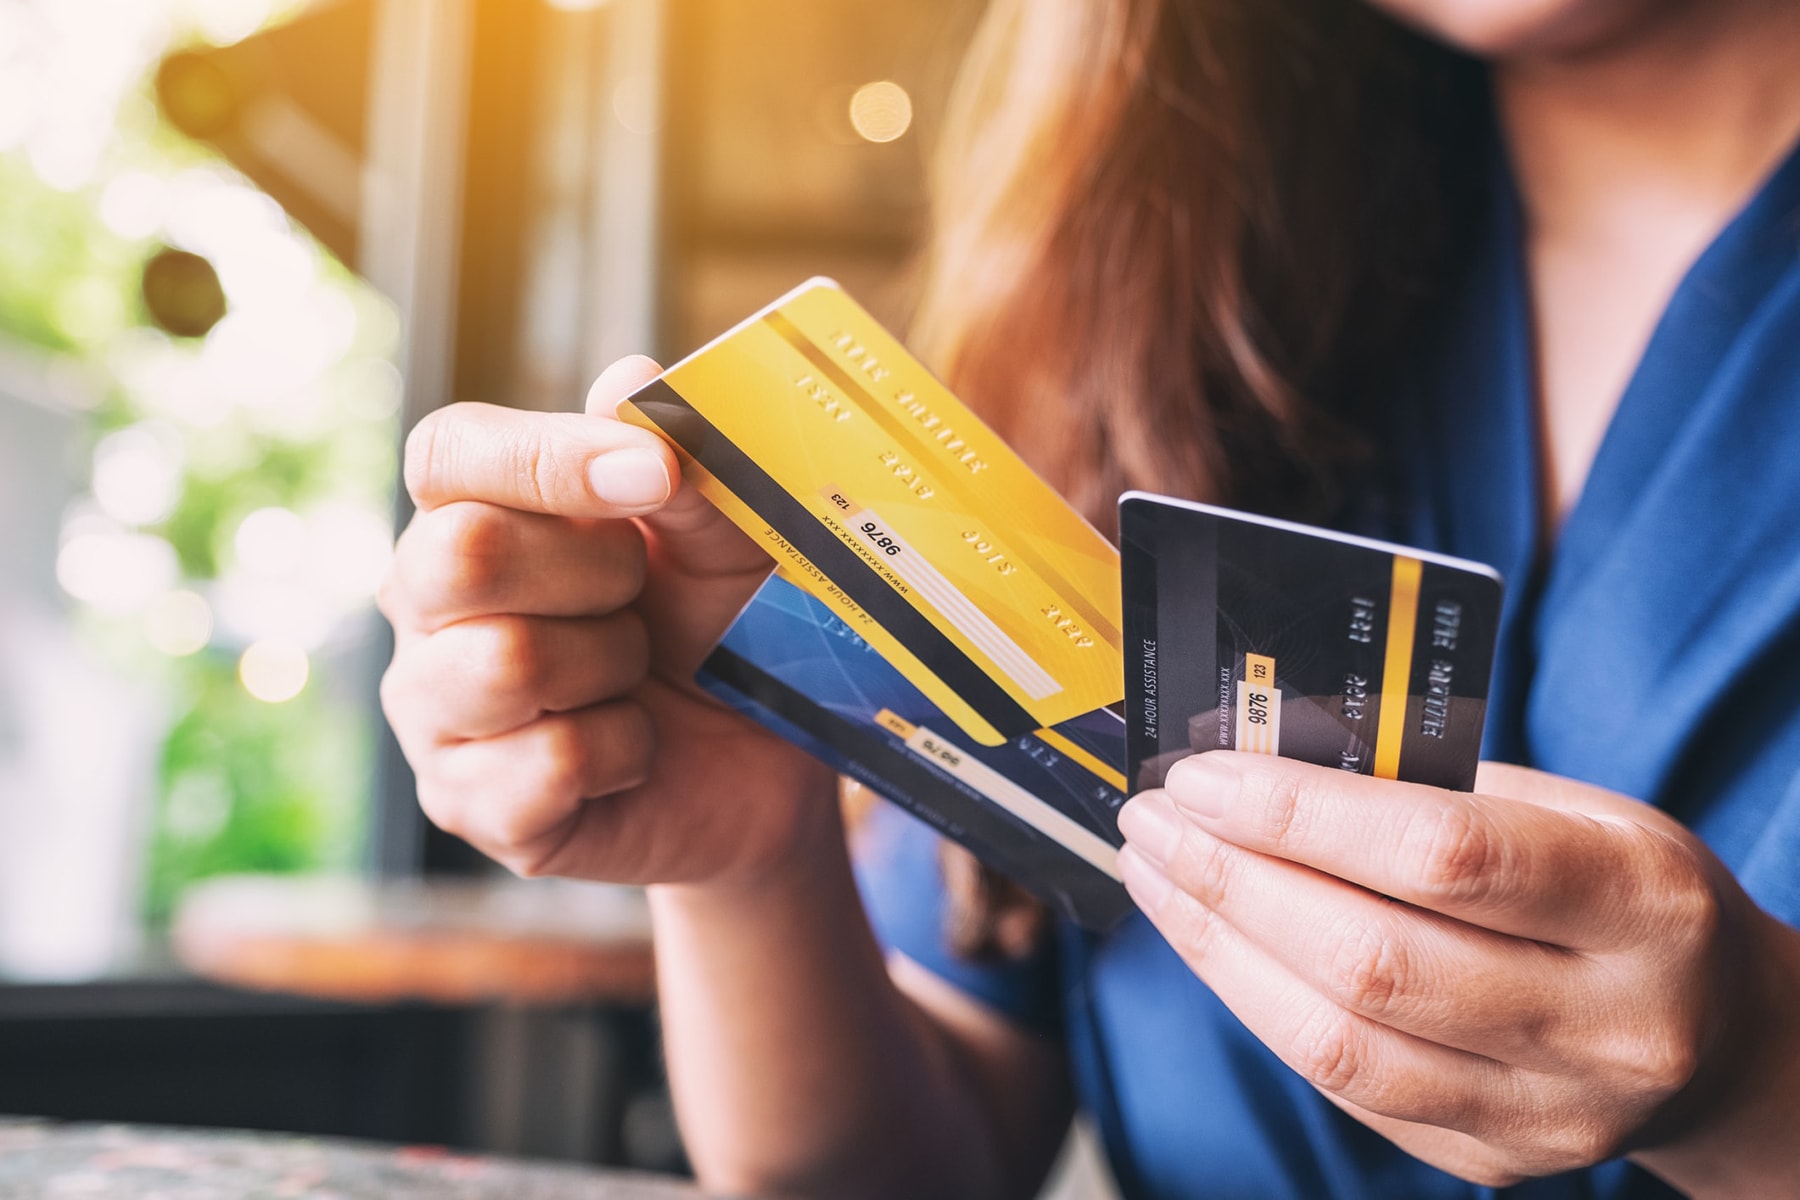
{"x": 1014, "y": 799}
{"x": 958, "y": 609}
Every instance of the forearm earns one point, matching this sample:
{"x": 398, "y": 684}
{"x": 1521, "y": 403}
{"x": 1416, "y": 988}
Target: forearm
{"x": 797, "y": 1066}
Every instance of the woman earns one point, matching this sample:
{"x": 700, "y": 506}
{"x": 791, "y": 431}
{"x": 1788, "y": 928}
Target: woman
{"x": 1539, "y": 306}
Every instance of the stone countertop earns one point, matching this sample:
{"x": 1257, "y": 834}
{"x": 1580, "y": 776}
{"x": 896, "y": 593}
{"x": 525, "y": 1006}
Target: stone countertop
{"x": 45, "y": 1161}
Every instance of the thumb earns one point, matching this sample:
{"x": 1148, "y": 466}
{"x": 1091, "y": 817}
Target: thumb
{"x": 692, "y": 536}
{"x": 563, "y": 464}
{"x": 618, "y": 381}
{"x": 703, "y": 569}
{"x": 1545, "y": 790}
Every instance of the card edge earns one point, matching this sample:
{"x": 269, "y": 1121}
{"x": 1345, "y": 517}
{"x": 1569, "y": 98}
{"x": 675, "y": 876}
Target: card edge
{"x": 1469, "y": 565}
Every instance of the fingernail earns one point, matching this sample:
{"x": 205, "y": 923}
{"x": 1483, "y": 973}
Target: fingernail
{"x": 1202, "y": 785}
{"x": 1151, "y": 824}
{"x": 630, "y": 479}
{"x": 1149, "y": 888}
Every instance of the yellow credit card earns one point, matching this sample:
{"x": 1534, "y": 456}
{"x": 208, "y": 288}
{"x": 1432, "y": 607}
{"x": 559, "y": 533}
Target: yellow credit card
{"x": 874, "y": 488}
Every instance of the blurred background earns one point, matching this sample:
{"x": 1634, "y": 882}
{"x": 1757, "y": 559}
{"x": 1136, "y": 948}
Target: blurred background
{"x": 244, "y": 246}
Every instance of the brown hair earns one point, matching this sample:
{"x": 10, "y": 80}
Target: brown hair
{"x": 1175, "y": 241}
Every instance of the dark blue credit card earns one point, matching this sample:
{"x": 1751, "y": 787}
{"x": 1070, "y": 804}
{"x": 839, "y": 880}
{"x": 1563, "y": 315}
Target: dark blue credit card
{"x": 1247, "y": 633}
{"x": 1041, "y": 808}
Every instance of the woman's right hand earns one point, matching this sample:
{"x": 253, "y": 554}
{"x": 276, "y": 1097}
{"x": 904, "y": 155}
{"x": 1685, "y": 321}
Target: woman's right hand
{"x": 551, "y": 601}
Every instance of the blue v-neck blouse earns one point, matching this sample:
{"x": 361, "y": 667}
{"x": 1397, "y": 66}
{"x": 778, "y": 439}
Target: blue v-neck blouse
{"x": 1653, "y": 649}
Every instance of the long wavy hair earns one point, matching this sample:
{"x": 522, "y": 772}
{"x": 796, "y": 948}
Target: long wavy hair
{"x": 1176, "y": 245}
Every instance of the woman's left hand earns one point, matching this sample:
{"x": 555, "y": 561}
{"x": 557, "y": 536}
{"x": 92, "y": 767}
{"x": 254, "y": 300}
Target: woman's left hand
{"x": 1526, "y": 979}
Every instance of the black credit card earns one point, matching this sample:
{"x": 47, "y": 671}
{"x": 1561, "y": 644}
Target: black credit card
{"x": 1248, "y": 633}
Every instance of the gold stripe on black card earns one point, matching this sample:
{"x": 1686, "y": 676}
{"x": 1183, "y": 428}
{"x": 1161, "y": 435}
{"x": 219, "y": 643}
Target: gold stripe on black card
{"x": 1396, "y": 670}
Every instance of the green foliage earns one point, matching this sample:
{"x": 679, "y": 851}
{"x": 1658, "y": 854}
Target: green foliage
{"x": 247, "y": 786}
{"x": 243, "y": 785}
{"x": 67, "y": 284}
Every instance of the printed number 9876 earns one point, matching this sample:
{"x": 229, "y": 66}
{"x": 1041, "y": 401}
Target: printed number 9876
{"x": 883, "y": 542}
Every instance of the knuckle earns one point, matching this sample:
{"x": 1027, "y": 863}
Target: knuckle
{"x": 526, "y": 866}
{"x": 564, "y": 757}
{"x": 1661, "y": 1061}
{"x": 388, "y": 595}
{"x": 536, "y": 470}
{"x": 1676, "y": 1063}
{"x": 507, "y": 827}
{"x": 412, "y": 720}
{"x": 534, "y": 859}
{"x": 560, "y": 758}
{"x": 1492, "y": 1175}
{"x": 1370, "y": 971}
{"x": 1212, "y": 864}
{"x": 426, "y": 447}
{"x": 631, "y": 745}
{"x": 1687, "y": 913}
{"x": 501, "y": 655}
{"x": 1193, "y": 928}
{"x": 391, "y": 594}
{"x": 1495, "y": 1161}
{"x": 1282, "y": 805}
{"x": 1458, "y": 854}
{"x": 469, "y": 555}
{"x": 438, "y": 803}
{"x": 628, "y": 559}
{"x": 1576, "y": 1142}
{"x": 513, "y": 829}
{"x": 391, "y": 692}
{"x": 631, "y": 649}
{"x": 1328, "y": 1052}
{"x": 509, "y": 838}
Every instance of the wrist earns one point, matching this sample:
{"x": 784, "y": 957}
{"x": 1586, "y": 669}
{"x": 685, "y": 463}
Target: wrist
{"x": 812, "y": 844}
{"x": 1737, "y": 1140}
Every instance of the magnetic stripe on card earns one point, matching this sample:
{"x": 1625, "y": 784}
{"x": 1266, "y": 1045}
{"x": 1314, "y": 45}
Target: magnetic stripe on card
{"x": 758, "y": 491}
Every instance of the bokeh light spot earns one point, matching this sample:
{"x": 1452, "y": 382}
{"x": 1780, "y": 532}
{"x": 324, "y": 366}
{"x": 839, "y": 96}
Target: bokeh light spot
{"x": 271, "y": 542}
{"x": 347, "y": 551}
{"x": 116, "y": 572}
{"x": 223, "y": 22}
{"x": 179, "y": 624}
{"x": 133, "y": 204}
{"x": 880, "y": 111}
{"x": 274, "y": 671}
{"x": 137, "y": 475}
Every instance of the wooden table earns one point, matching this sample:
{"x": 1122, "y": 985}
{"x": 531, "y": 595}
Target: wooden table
{"x": 125, "y": 1162}
{"x": 448, "y": 941}
{"x": 562, "y": 973}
